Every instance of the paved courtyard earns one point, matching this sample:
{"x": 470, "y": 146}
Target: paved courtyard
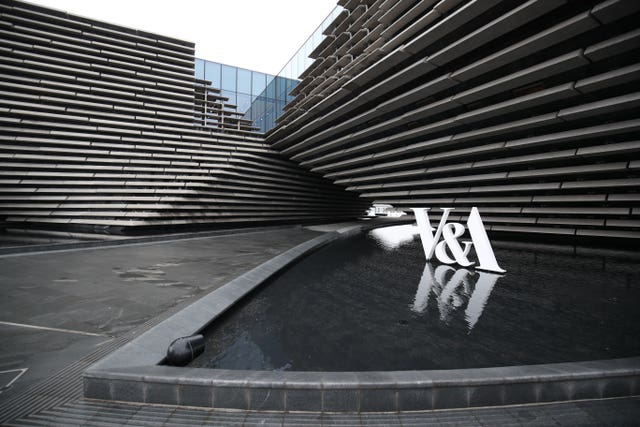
{"x": 58, "y": 306}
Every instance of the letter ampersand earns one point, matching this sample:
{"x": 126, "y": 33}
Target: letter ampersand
{"x": 450, "y": 234}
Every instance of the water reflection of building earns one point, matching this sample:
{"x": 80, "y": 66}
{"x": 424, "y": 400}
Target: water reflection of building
{"x": 452, "y": 288}
{"x": 395, "y": 236}
{"x": 382, "y": 209}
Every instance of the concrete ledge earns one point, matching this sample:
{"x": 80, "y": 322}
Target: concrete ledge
{"x": 133, "y": 373}
{"x": 366, "y": 391}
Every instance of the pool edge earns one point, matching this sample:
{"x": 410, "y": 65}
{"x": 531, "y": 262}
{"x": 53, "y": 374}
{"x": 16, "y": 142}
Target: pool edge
{"x": 133, "y": 374}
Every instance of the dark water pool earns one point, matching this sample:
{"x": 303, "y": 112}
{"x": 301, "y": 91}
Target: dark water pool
{"x": 371, "y": 302}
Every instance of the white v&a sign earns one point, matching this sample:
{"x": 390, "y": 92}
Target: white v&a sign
{"x": 450, "y": 232}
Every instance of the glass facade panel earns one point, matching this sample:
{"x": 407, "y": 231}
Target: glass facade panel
{"x": 212, "y": 73}
{"x": 256, "y": 112}
{"x": 228, "y": 78}
{"x": 261, "y": 97}
{"x": 199, "y": 71}
{"x": 280, "y": 107}
{"x": 270, "y": 114}
{"x": 291, "y": 84}
{"x": 244, "y": 81}
{"x": 300, "y": 60}
{"x": 243, "y": 102}
{"x": 259, "y": 83}
{"x": 257, "y": 108}
{"x": 229, "y": 94}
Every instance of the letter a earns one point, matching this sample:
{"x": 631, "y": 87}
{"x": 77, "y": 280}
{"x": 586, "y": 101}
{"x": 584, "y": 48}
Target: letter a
{"x": 481, "y": 242}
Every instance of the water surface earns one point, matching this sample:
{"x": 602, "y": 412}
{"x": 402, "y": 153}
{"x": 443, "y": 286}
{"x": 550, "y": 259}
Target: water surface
{"x": 371, "y": 302}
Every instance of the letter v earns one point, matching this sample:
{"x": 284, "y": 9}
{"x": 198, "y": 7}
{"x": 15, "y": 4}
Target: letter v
{"x": 429, "y": 241}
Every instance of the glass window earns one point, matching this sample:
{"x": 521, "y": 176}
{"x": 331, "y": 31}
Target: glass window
{"x": 271, "y": 87}
{"x": 270, "y": 114}
{"x": 257, "y": 108}
{"x": 316, "y": 38}
{"x": 291, "y": 84}
{"x": 279, "y": 108}
{"x": 199, "y": 71}
{"x": 291, "y": 68}
{"x": 228, "y": 78}
{"x": 229, "y": 94}
{"x": 244, "y": 81}
{"x": 257, "y": 113}
{"x": 281, "y": 88}
{"x": 259, "y": 83}
{"x": 243, "y": 102}
{"x": 212, "y": 73}
{"x": 301, "y": 64}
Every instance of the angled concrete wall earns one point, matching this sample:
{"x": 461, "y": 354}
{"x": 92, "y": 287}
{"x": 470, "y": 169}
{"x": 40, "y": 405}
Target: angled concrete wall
{"x": 98, "y": 129}
{"x": 527, "y": 109}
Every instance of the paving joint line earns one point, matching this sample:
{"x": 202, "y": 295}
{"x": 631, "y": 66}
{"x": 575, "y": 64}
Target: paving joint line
{"x": 47, "y": 328}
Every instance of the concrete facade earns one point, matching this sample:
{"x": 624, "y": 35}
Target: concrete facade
{"x": 101, "y": 130}
{"x": 526, "y": 109}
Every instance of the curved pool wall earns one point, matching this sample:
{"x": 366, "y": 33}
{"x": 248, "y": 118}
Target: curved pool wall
{"x": 134, "y": 372}
{"x": 372, "y": 303}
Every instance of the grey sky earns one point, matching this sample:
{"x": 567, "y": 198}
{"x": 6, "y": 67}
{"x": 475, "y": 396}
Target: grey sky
{"x": 261, "y": 35}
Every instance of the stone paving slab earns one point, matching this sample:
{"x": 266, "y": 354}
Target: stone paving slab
{"x": 111, "y": 290}
{"x": 41, "y": 352}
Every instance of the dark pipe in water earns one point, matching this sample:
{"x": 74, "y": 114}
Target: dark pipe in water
{"x": 183, "y": 350}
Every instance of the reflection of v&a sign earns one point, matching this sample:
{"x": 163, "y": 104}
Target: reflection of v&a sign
{"x": 450, "y": 232}
{"x": 451, "y": 288}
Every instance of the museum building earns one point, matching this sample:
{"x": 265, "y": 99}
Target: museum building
{"x": 526, "y": 109}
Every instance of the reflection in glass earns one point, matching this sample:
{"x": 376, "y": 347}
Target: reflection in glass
{"x": 270, "y": 113}
{"x": 199, "y": 69}
{"x": 300, "y": 61}
{"x": 279, "y": 108}
{"x": 228, "y": 78}
{"x": 244, "y": 81}
{"x": 229, "y": 94}
{"x": 257, "y": 108}
{"x": 238, "y": 83}
{"x": 281, "y": 89}
{"x": 451, "y": 288}
{"x": 212, "y": 73}
{"x": 271, "y": 87}
{"x": 243, "y": 102}
{"x": 395, "y": 236}
{"x": 259, "y": 83}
